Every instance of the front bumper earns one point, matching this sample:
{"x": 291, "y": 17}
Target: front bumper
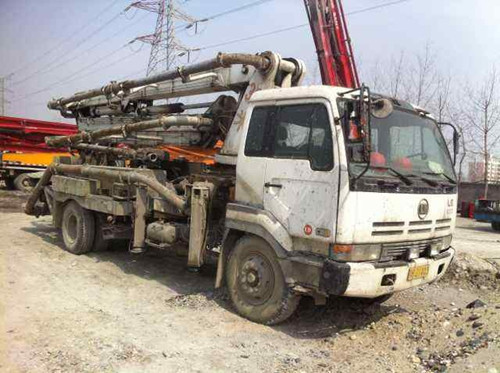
{"x": 370, "y": 280}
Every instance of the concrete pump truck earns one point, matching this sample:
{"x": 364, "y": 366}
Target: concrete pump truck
{"x": 299, "y": 191}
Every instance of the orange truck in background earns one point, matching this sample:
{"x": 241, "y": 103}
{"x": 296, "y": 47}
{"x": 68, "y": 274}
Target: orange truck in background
{"x": 23, "y": 152}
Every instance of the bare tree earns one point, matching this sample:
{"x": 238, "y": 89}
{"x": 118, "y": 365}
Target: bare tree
{"x": 483, "y": 116}
{"x": 455, "y": 115}
{"x": 376, "y": 77}
{"x": 412, "y": 79}
{"x": 441, "y": 103}
{"x": 423, "y": 78}
{"x": 397, "y": 70}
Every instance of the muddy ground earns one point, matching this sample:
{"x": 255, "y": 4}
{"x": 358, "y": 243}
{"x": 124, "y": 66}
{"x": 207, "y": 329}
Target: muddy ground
{"x": 111, "y": 311}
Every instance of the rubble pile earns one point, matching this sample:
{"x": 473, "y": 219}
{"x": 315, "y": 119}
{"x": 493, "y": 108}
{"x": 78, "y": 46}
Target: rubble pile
{"x": 471, "y": 271}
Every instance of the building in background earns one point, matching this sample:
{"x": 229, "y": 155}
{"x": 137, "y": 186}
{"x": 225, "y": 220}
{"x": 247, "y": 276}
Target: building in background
{"x": 476, "y": 171}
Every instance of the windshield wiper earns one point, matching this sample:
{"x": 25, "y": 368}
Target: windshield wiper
{"x": 403, "y": 177}
{"x": 407, "y": 176}
{"x": 428, "y": 181}
{"x": 442, "y": 174}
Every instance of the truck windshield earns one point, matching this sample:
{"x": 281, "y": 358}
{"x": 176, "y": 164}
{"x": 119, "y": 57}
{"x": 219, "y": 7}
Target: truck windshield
{"x": 406, "y": 145}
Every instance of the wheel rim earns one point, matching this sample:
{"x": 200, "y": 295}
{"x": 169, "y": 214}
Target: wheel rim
{"x": 71, "y": 228}
{"x": 256, "y": 279}
{"x": 24, "y": 182}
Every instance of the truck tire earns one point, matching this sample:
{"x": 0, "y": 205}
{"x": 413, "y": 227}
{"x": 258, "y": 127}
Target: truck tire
{"x": 24, "y": 183}
{"x": 256, "y": 283}
{"x": 78, "y": 228}
{"x": 496, "y": 226}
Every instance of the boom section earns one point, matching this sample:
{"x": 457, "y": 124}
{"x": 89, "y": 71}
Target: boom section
{"x": 333, "y": 45}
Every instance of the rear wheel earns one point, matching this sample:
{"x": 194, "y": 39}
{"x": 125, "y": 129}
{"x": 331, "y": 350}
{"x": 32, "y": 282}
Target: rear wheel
{"x": 256, "y": 284}
{"x": 78, "y": 229}
{"x": 495, "y": 225}
{"x": 24, "y": 183}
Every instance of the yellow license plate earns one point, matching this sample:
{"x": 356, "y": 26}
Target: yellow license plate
{"x": 418, "y": 272}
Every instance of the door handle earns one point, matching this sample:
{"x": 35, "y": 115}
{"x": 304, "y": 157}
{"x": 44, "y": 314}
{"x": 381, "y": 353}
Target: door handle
{"x": 271, "y": 185}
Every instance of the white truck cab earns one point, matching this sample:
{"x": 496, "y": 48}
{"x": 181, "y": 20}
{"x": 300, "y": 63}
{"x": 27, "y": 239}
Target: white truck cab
{"x": 367, "y": 228}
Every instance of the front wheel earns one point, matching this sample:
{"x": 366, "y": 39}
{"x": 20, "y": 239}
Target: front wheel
{"x": 496, "y": 226}
{"x": 256, "y": 284}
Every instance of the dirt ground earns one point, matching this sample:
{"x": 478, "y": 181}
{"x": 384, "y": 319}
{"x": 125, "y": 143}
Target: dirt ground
{"x": 111, "y": 311}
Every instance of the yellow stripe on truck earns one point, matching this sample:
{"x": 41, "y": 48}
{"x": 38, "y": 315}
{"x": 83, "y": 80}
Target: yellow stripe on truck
{"x": 32, "y": 159}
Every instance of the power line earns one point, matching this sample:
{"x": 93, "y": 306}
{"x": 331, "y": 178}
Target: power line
{"x": 377, "y": 7}
{"x": 72, "y": 77}
{"x": 75, "y": 46}
{"x": 65, "y": 62}
{"x": 254, "y": 36}
{"x": 65, "y": 40}
{"x": 240, "y": 8}
{"x": 115, "y": 62}
{"x": 142, "y": 71}
{"x": 217, "y": 15}
{"x": 49, "y": 67}
{"x": 296, "y": 26}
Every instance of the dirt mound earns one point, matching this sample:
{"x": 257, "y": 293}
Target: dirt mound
{"x": 470, "y": 271}
{"x": 197, "y": 300}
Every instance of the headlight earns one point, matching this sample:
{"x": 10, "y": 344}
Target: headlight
{"x": 440, "y": 246}
{"x": 356, "y": 253}
{"x": 436, "y": 248}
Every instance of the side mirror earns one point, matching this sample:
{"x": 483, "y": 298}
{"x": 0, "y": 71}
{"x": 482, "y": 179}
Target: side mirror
{"x": 382, "y": 108}
{"x": 456, "y": 138}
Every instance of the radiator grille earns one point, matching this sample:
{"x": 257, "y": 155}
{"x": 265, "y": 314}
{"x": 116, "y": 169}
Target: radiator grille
{"x": 394, "y": 228}
{"x": 399, "y": 251}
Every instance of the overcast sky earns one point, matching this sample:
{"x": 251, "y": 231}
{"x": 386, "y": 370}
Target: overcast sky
{"x": 34, "y": 43}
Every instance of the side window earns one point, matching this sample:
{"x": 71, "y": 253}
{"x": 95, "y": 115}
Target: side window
{"x": 256, "y": 144}
{"x": 321, "y": 144}
{"x": 303, "y": 132}
{"x": 293, "y": 131}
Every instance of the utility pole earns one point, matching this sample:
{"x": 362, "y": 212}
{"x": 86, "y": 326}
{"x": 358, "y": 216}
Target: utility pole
{"x": 165, "y": 48}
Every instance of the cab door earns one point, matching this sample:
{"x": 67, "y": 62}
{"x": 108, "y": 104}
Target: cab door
{"x": 253, "y": 156}
{"x": 301, "y": 176}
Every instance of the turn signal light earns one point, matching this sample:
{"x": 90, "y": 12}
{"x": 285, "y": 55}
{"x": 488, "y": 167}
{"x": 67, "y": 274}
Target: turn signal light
{"x": 342, "y": 249}
{"x": 356, "y": 253}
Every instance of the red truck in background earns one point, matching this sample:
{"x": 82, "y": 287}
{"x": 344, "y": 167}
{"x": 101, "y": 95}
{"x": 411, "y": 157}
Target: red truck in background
{"x": 23, "y": 151}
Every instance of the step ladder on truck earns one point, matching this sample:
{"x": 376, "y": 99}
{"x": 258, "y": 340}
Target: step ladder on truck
{"x": 298, "y": 190}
